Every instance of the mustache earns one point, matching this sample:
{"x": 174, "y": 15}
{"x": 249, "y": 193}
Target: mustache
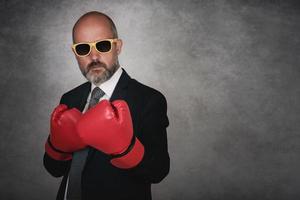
{"x": 96, "y": 64}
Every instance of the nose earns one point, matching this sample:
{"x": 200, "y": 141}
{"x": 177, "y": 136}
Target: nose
{"x": 94, "y": 54}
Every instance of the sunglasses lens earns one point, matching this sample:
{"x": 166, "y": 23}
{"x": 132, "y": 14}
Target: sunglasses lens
{"x": 82, "y": 49}
{"x": 103, "y": 46}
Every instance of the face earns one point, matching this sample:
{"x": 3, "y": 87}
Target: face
{"x": 97, "y": 67}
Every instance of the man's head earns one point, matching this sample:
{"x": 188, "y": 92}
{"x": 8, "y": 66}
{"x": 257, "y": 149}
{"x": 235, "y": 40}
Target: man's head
{"x": 93, "y": 26}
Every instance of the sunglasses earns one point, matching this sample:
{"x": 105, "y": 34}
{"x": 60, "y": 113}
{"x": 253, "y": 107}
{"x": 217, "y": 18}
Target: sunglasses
{"x": 84, "y": 48}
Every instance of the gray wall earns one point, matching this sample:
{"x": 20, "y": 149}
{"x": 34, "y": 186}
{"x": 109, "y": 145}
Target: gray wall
{"x": 229, "y": 70}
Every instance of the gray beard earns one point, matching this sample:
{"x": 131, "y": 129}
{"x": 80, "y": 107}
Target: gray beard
{"x": 99, "y": 79}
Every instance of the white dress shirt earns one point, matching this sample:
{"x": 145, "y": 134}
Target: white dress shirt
{"x": 107, "y": 87}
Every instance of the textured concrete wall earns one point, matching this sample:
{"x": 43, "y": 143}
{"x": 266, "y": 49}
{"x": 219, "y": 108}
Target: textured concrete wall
{"x": 229, "y": 70}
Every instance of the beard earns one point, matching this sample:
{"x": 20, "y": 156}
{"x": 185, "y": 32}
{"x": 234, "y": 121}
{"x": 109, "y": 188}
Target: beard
{"x": 92, "y": 72}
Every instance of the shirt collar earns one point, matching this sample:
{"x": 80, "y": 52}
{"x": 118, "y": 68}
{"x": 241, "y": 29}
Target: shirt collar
{"x": 109, "y": 85}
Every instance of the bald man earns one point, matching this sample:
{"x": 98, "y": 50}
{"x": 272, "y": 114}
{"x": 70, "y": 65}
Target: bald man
{"x": 108, "y": 137}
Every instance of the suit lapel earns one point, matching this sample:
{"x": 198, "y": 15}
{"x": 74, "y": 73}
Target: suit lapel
{"x": 120, "y": 91}
{"x": 84, "y": 95}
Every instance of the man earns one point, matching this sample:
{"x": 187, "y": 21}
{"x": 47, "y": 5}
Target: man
{"x": 107, "y": 136}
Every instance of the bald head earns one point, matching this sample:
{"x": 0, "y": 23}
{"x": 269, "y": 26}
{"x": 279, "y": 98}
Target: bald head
{"x": 94, "y": 19}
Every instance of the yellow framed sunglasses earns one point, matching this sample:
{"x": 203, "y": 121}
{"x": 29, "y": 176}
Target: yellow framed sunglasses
{"x": 83, "y": 49}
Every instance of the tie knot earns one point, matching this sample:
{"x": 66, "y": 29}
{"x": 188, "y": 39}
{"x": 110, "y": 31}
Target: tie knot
{"x": 97, "y": 93}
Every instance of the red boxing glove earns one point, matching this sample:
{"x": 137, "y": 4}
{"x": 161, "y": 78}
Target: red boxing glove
{"x": 108, "y": 128}
{"x": 63, "y": 138}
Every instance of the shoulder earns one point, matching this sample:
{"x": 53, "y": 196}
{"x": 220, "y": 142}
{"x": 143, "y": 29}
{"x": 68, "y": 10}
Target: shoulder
{"x": 146, "y": 93}
{"x": 149, "y": 103}
{"x": 76, "y": 93}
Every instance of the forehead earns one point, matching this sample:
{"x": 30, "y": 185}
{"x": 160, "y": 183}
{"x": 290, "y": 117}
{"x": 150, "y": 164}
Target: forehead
{"x": 92, "y": 29}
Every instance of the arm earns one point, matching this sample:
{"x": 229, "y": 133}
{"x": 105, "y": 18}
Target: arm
{"x": 108, "y": 127}
{"x": 62, "y": 141}
{"x": 155, "y": 164}
{"x": 55, "y": 167}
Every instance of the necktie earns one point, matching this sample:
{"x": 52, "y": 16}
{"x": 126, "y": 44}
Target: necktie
{"x": 79, "y": 157}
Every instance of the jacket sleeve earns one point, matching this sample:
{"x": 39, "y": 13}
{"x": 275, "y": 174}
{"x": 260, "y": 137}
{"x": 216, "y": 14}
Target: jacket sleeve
{"x": 155, "y": 164}
{"x": 56, "y": 168}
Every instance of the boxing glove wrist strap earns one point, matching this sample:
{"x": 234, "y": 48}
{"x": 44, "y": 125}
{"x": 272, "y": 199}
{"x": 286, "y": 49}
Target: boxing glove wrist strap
{"x": 129, "y": 148}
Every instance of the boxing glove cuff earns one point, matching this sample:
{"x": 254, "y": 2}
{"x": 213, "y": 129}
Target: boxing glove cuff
{"x": 56, "y": 153}
{"x": 131, "y": 157}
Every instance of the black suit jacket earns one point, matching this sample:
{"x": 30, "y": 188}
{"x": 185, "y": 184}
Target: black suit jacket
{"x": 102, "y": 180}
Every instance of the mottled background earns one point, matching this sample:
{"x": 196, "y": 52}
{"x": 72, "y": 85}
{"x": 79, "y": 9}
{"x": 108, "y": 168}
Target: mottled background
{"x": 229, "y": 70}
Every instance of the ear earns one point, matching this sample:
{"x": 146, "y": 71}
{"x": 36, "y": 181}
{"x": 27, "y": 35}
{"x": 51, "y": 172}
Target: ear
{"x": 119, "y": 45}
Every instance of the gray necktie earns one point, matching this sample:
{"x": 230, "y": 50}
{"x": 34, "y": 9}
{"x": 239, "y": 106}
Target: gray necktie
{"x": 79, "y": 157}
